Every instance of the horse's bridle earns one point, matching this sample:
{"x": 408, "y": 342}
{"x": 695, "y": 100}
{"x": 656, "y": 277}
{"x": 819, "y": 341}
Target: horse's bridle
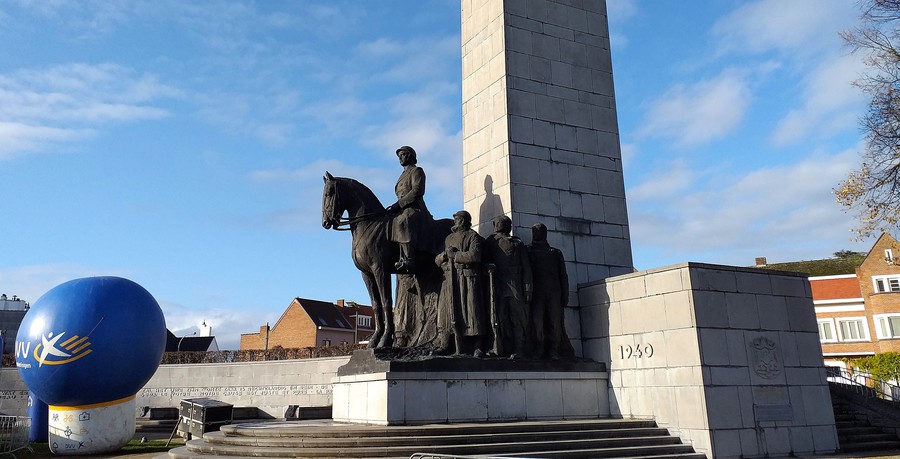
{"x": 340, "y": 221}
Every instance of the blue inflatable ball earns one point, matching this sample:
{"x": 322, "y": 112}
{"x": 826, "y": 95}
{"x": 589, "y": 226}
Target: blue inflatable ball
{"x": 92, "y": 340}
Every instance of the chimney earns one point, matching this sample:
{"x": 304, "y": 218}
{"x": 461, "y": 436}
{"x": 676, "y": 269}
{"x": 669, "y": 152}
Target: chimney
{"x": 340, "y": 303}
{"x": 761, "y": 261}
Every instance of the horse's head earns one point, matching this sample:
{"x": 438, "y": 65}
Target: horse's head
{"x": 343, "y": 194}
{"x": 331, "y": 208}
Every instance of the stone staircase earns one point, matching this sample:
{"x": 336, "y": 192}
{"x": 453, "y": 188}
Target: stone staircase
{"x": 324, "y": 439}
{"x": 864, "y": 424}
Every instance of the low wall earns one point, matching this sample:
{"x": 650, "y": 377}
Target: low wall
{"x": 13, "y": 393}
{"x": 270, "y": 386}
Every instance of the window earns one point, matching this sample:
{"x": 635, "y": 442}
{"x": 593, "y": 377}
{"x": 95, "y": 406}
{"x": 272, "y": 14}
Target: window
{"x": 887, "y": 326}
{"x": 364, "y": 321}
{"x": 826, "y": 331}
{"x": 326, "y": 342}
{"x": 853, "y": 329}
{"x": 886, "y": 283}
{"x": 889, "y": 256}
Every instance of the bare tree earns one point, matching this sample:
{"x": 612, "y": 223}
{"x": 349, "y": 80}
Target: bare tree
{"x": 874, "y": 190}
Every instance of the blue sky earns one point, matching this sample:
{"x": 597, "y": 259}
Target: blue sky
{"x": 182, "y": 144}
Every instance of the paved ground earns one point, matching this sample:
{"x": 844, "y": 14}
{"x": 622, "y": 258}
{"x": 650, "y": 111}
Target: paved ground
{"x": 178, "y": 441}
{"x": 894, "y": 455}
{"x": 874, "y": 455}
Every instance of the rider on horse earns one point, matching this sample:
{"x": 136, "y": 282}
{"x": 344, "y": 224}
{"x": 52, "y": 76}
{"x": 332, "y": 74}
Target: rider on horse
{"x": 411, "y": 215}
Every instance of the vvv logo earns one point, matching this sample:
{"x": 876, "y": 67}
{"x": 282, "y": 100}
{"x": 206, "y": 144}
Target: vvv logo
{"x": 22, "y": 349}
{"x": 53, "y": 352}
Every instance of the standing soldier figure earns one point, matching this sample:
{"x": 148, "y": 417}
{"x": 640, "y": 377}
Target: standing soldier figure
{"x": 551, "y": 294}
{"x": 461, "y": 309}
{"x": 511, "y": 289}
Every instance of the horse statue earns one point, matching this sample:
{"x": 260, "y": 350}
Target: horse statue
{"x": 373, "y": 252}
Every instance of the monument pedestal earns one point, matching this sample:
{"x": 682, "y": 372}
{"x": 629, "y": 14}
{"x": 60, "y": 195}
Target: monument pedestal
{"x": 463, "y": 389}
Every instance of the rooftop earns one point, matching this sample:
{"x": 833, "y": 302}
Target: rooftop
{"x": 845, "y": 262}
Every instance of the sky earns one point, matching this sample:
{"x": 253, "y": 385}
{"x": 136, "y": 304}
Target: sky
{"x": 182, "y": 144}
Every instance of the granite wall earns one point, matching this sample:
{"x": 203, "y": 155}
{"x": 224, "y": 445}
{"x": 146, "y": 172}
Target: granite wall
{"x": 270, "y": 386}
{"x": 727, "y": 358}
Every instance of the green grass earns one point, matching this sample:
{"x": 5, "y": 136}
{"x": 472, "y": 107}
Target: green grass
{"x": 134, "y": 447}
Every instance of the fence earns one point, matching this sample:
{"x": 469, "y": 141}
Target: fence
{"x": 256, "y": 355}
{"x": 14, "y": 434}
{"x": 863, "y": 383}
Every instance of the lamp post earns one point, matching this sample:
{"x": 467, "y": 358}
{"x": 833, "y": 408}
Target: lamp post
{"x": 178, "y": 348}
{"x": 356, "y": 325}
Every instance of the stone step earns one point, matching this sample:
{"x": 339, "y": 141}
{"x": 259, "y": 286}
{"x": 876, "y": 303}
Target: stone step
{"x": 669, "y": 456}
{"x": 447, "y": 439}
{"x": 871, "y": 446}
{"x": 849, "y": 416}
{"x": 866, "y": 437}
{"x": 466, "y": 447}
{"x": 852, "y": 424}
{"x": 307, "y": 429}
{"x": 858, "y": 430}
{"x": 618, "y": 453}
{"x": 597, "y": 438}
{"x": 640, "y": 452}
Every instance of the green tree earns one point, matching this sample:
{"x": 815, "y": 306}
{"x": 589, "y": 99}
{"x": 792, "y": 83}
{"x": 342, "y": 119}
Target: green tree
{"x": 884, "y": 366}
{"x": 873, "y": 191}
{"x": 848, "y": 253}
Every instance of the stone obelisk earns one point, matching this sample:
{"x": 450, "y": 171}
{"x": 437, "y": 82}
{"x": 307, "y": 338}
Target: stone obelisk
{"x": 540, "y": 133}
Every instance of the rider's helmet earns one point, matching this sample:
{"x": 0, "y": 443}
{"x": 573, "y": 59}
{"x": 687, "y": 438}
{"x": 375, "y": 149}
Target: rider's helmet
{"x": 410, "y": 150}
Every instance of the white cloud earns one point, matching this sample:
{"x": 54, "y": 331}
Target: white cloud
{"x": 227, "y": 324}
{"x": 676, "y": 178}
{"x": 695, "y": 114}
{"x": 107, "y": 82}
{"x": 439, "y": 154}
{"x": 275, "y": 134}
{"x": 409, "y": 61}
{"x": 618, "y": 12}
{"x": 306, "y": 184}
{"x": 18, "y": 138}
{"x": 316, "y": 170}
{"x": 621, "y": 10}
{"x": 630, "y": 152}
{"x": 339, "y": 113}
{"x": 829, "y": 101}
{"x": 422, "y": 119}
{"x": 785, "y": 213}
{"x": 30, "y": 282}
{"x": 83, "y": 21}
{"x": 41, "y": 107}
{"x": 796, "y": 26}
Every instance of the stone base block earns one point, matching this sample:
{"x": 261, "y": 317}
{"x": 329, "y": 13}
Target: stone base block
{"x": 410, "y": 397}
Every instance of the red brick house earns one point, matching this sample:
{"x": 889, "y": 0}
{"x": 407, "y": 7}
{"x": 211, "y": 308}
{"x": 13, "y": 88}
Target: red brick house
{"x": 311, "y": 323}
{"x": 859, "y": 314}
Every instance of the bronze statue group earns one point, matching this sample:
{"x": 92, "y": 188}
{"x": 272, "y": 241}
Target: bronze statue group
{"x": 498, "y": 297}
{"x": 456, "y": 292}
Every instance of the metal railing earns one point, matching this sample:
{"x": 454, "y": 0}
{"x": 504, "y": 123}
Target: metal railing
{"x": 453, "y": 456}
{"x": 863, "y": 383}
{"x": 14, "y": 434}
{"x": 258, "y": 355}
